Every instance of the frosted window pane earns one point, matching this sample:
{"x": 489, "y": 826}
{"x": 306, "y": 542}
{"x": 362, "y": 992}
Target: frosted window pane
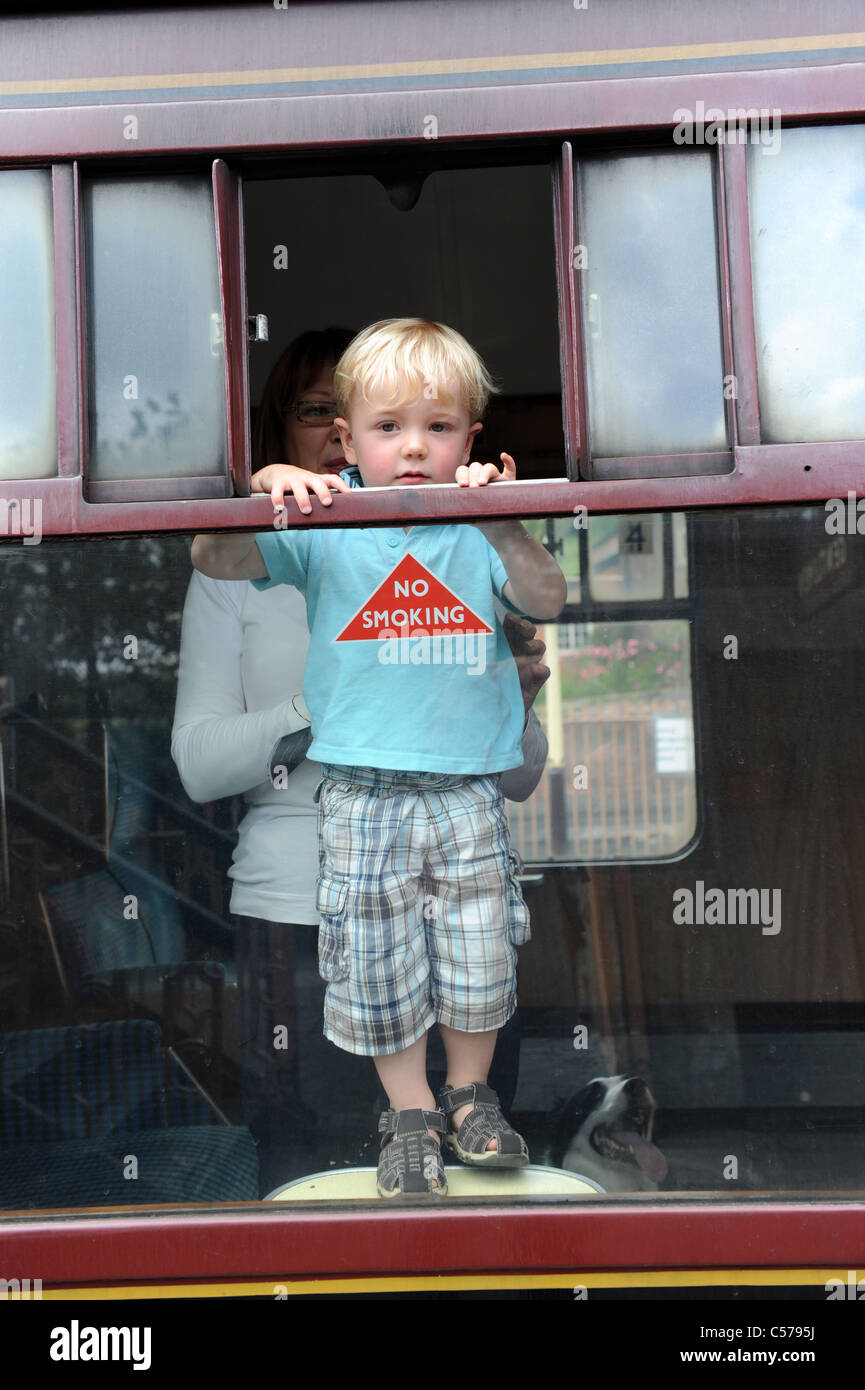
{"x": 807, "y": 207}
{"x": 28, "y": 394}
{"x": 157, "y": 377}
{"x": 651, "y": 306}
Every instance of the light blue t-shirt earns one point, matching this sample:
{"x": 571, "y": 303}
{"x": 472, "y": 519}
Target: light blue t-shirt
{"x": 408, "y": 664}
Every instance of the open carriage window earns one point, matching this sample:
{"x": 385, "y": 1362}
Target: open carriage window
{"x": 472, "y": 248}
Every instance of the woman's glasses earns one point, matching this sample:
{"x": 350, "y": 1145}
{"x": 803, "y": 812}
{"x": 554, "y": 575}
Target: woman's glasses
{"x": 314, "y": 412}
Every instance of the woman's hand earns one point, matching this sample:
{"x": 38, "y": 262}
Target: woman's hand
{"x": 280, "y": 478}
{"x": 527, "y": 650}
{"x": 479, "y": 474}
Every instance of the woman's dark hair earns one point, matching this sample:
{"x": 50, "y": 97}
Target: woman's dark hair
{"x": 293, "y": 373}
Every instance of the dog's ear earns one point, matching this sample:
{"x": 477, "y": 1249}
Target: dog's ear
{"x": 568, "y": 1117}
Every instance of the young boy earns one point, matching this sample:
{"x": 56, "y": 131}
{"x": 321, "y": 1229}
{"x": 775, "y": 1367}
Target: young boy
{"x": 416, "y": 708}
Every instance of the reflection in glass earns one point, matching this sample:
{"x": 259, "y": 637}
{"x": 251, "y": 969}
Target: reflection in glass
{"x": 617, "y": 711}
{"x": 651, "y": 305}
{"x": 157, "y": 404}
{"x": 28, "y": 397}
{"x": 750, "y": 1038}
{"x": 626, "y": 557}
{"x": 807, "y": 209}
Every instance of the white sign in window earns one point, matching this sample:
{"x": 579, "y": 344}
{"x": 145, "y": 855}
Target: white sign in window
{"x": 674, "y": 745}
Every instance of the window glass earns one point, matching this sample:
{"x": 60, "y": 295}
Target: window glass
{"x": 28, "y": 394}
{"x": 619, "y": 782}
{"x": 157, "y": 385}
{"x": 651, "y": 305}
{"x": 693, "y": 897}
{"x": 807, "y": 210}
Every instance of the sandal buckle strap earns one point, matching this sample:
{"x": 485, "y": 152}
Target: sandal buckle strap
{"x": 476, "y": 1093}
{"x": 411, "y": 1121}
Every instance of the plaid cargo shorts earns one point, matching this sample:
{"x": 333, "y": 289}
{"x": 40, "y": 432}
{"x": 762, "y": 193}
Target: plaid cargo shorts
{"x": 420, "y": 908}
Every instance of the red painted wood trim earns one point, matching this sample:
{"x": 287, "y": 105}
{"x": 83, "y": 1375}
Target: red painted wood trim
{"x": 261, "y": 1242}
{"x": 776, "y": 473}
{"x": 570, "y": 351}
{"x": 83, "y": 372}
{"x": 228, "y": 212}
{"x": 157, "y": 489}
{"x": 333, "y": 120}
{"x": 725, "y": 269}
{"x": 66, "y": 319}
{"x": 734, "y": 167}
{"x": 663, "y": 465}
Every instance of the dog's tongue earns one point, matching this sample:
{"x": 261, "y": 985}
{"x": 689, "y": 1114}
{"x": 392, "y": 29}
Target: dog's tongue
{"x": 650, "y": 1159}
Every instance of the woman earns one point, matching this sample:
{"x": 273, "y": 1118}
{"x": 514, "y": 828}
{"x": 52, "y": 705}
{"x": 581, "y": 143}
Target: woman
{"x": 242, "y": 661}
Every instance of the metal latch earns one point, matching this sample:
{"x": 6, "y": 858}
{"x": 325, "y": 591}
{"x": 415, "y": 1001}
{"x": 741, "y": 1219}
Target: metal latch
{"x": 257, "y": 330}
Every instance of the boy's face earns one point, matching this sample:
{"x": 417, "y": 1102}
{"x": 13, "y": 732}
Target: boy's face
{"x": 421, "y": 441}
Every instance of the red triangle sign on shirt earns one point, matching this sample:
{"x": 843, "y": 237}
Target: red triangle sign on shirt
{"x": 411, "y": 602}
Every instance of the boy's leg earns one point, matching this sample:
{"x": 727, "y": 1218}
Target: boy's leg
{"x": 476, "y": 918}
{"x": 409, "y": 1163}
{"x": 403, "y": 1076}
{"x": 469, "y": 1056}
{"x": 477, "y": 1130}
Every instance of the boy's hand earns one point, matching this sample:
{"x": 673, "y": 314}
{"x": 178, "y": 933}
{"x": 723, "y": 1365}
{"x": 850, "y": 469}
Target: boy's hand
{"x": 280, "y": 478}
{"x": 479, "y": 474}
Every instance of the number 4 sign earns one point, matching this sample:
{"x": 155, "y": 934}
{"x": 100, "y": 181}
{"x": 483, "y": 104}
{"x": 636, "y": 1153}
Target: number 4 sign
{"x": 636, "y": 535}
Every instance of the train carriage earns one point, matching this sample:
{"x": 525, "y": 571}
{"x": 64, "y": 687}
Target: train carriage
{"x": 650, "y": 220}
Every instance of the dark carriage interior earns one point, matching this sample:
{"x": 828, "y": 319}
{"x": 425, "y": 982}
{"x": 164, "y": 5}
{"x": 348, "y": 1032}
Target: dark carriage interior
{"x": 470, "y": 247}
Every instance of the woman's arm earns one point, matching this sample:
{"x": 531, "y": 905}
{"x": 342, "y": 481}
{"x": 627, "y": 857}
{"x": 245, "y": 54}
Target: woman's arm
{"x": 518, "y": 783}
{"x": 220, "y": 748}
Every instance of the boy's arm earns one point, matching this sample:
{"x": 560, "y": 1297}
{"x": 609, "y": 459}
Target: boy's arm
{"x": 238, "y": 557}
{"x": 535, "y": 583}
{"x": 228, "y": 557}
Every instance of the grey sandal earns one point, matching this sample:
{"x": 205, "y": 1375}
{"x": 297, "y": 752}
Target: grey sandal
{"x": 484, "y": 1122}
{"x": 410, "y": 1161}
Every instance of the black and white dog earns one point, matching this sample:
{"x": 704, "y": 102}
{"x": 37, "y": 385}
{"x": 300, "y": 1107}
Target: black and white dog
{"x": 604, "y": 1132}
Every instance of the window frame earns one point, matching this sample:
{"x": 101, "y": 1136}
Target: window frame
{"x": 761, "y": 473}
{"x": 705, "y": 463}
{"x": 251, "y": 1243}
{"x": 249, "y": 1249}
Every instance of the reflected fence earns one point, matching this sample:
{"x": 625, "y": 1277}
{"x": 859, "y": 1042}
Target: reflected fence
{"x": 624, "y": 788}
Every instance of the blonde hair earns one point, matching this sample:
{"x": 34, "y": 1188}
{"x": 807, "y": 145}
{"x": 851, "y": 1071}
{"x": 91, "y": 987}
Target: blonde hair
{"x": 405, "y": 357}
